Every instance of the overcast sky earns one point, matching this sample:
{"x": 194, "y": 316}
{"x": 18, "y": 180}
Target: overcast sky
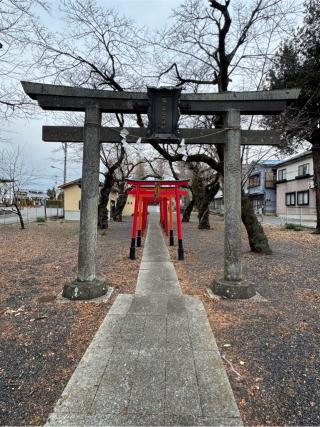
{"x": 39, "y": 156}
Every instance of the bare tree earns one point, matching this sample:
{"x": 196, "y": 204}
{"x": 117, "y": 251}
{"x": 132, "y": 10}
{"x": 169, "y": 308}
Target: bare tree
{"x": 16, "y": 27}
{"x": 220, "y": 46}
{"x": 112, "y": 160}
{"x": 13, "y": 168}
{"x": 98, "y": 48}
{"x": 139, "y": 168}
{"x": 211, "y": 45}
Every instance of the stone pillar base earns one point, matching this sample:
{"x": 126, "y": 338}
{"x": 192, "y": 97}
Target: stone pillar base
{"x": 77, "y": 290}
{"x": 233, "y": 290}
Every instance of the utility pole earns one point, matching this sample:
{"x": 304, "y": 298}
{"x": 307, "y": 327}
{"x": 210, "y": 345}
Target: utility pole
{"x": 65, "y": 158}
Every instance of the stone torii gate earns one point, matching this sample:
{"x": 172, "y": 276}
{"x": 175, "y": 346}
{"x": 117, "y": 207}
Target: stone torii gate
{"x": 96, "y": 102}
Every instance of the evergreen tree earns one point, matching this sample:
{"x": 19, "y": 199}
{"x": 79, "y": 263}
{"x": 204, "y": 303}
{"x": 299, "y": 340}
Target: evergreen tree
{"x": 297, "y": 64}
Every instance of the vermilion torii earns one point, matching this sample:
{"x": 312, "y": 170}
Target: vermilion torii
{"x": 162, "y": 107}
{"x": 163, "y": 193}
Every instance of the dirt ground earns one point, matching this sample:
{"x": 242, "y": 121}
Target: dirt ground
{"x": 270, "y": 348}
{"x": 41, "y": 339}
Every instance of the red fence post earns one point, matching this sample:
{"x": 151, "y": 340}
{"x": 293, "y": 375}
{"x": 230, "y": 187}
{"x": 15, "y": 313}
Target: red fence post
{"x": 134, "y": 224}
{"x": 139, "y": 222}
{"x": 171, "y": 222}
{"x": 179, "y": 225}
{"x": 166, "y": 228}
{"x": 160, "y": 206}
{"x": 144, "y": 216}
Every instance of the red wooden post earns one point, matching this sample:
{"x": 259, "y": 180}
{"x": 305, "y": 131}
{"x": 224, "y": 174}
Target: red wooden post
{"x": 139, "y": 221}
{"x": 166, "y": 228}
{"x": 162, "y": 212}
{"x": 179, "y": 225}
{"x": 171, "y": 222}
{"x": 160, "y": 206}
{"x": 144, "y": 216}
{"x": 134, "y": 224}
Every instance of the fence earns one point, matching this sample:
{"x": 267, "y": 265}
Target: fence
{"x": 29, "y": 214}
{"x": 302, "y": 216}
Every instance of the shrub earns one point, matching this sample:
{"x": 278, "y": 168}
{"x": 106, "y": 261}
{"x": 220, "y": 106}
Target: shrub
{"x": 291, "y": 226}
{"x": 41, "y": 219}
{"x": 54, "y": 203}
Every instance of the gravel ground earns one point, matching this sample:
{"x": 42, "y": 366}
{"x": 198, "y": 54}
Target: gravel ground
{"x": 41, "y": 339}
{"x": 270, "y": 348}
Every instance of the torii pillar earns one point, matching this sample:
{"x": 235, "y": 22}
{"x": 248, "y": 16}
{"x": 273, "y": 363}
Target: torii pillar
{"x": 231, "y": 285}
{"x": 86, "y": 285}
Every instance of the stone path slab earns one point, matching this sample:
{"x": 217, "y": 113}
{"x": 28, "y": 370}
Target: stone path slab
{"x": 154, "y": 360}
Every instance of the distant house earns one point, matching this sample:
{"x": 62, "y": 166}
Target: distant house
{"x": 72, "y": 201}
{"x": 261, "y": 186}
{"x": 296, "y": 196}
{"x": 6, "y": 193}
{"x": 31, "y": 197}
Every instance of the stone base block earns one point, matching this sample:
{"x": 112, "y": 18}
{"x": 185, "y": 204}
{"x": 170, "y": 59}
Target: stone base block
{"x": 77, "y": 290}
{"x": 233, "y": 290}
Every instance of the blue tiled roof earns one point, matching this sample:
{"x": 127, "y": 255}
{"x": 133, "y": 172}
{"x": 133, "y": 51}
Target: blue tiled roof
{"x": 268, "y": 162}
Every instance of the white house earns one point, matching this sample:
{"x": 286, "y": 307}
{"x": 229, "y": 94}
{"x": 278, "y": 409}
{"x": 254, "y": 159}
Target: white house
{"x": 296, "y": 198}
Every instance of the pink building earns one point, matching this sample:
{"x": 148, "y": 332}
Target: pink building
{"x": 296, "y": 198}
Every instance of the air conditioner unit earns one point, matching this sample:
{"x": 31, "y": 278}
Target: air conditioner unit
{"x": 311, "y": 183}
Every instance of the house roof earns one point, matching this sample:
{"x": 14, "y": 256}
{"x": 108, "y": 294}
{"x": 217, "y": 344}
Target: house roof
{"x": 78, "y": 183}
{"x": 269, "y": 162}
{"x": 295, "y": 158}
{"x": 70, "y": 183}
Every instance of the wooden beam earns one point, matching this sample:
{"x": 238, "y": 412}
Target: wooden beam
{"x": 65, "y": 98}
{"x": 192, "y": 136}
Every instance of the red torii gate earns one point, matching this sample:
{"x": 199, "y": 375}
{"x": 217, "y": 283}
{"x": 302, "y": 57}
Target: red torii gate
{"x": 163, "y": 193}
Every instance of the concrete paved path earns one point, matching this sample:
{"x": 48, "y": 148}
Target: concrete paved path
{"x": 153, "y": 361}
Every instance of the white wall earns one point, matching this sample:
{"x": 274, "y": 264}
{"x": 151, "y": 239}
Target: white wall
{"x": 292, "y": 169}
{"x": 72, "y": 215}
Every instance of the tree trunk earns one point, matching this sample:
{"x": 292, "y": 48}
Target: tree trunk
{"x": 19, "y": 215}
{"x": 203, "y": 214}
{"x": 207, "y": 196}
{"x": 103, "y": 202}
{"x": 257, "y": 239}
{"x": 201, "y": 201}
{"x": 316, "y": 179}
{"x": 188, "y": 210}
{"x": 103, "y": 222}
{"x": 121, "y": 202}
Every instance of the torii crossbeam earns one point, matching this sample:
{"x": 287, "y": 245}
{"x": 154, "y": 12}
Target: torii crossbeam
{"x": 96, "y": 102}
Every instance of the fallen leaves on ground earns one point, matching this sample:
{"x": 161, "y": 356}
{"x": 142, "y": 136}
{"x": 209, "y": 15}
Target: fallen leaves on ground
{"x": 42, "y": 339}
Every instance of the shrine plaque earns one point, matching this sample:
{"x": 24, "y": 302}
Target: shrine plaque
{"x": 163, "y": 113}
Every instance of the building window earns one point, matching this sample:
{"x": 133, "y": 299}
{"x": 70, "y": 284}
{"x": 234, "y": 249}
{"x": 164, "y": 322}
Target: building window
{"x": 290, "y": 199}
{"x": 254, "y": 180}
{"x": 303, "y": 169}
{"x": 270, "y": 181}
{"x": 282, "y": 174}
{"x": 303, "y": 198}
